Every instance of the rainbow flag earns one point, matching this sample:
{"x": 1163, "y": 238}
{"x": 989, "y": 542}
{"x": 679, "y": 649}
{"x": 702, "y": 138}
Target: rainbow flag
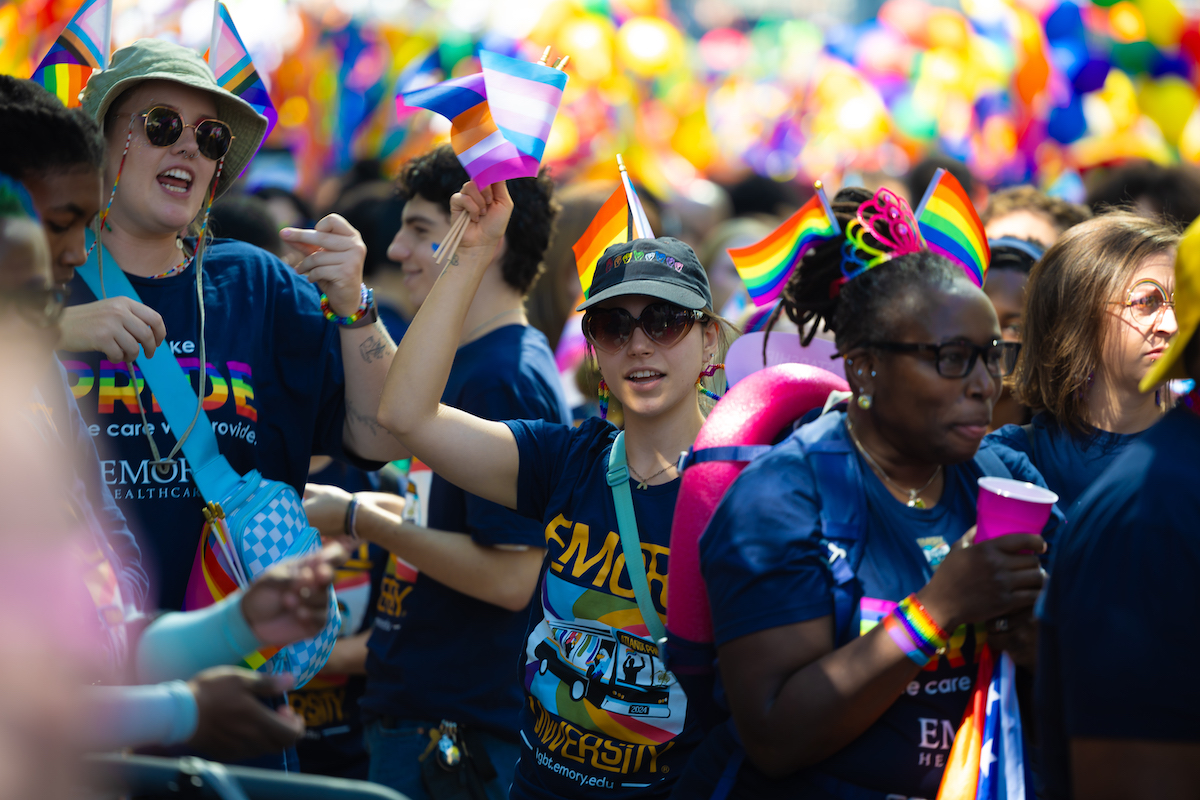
{"x": 610, "y": 226}
{"x": 988, "y": 759}
{"x": 952, "y": 228}
{"x": 526, "y": 98}
{"x": 82, "y": 47}
{"x": 216, "y": 574}
{"x": 766, "y": 266}
{"x": 234, "y": 69}
{"x": 639, "y": 224}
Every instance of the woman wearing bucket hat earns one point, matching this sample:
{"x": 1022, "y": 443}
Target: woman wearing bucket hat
{"x": 284, "y": 373}
{"x": 602, "y": 715}
{"x": 1098, "y": 315}
{"x": 1114, "y": 617}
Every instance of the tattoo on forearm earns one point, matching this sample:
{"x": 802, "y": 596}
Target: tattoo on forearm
{"x": 454, "y": 260}
{"x": 366, "y": 420}
{"x": 373, "y": 349}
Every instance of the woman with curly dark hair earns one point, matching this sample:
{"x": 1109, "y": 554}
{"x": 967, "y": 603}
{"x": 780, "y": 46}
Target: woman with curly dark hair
{"x": 847, "y": 606}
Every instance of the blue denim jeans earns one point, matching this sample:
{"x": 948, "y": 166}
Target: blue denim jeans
{"x": 394, "y": 753}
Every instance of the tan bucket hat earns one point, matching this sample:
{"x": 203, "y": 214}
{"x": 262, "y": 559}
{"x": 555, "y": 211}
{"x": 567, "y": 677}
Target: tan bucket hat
{"x": 159, "y": 60}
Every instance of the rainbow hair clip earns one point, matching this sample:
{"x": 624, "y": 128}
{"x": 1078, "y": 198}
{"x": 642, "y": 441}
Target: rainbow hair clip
{"x": 952, "y": 228}
{"x": 766, "y": 266}
{"x": 883, "y": 228}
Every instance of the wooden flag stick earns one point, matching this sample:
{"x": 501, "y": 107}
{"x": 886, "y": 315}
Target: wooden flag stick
{"x": 450, "y": 240}
{"x": 545, "y": 56}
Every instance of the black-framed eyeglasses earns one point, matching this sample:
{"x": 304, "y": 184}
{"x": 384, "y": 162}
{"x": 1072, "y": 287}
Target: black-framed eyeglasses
{"x": 957, "y": 359}
{"x": 609, "y": 329}
{"x": 165, "y": 125}
{"x": 41, "y": 306}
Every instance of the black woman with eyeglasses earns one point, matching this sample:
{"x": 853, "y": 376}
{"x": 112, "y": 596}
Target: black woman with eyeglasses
{"x": 846, "y": 602}
{"x": 1099, "y": 311}
{"x": 282, "y": 375}
{"x": 602, "y": 716}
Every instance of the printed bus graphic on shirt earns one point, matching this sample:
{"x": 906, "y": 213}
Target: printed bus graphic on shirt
{"x": 590, "y": 662}
{"x": 612, "y": 669}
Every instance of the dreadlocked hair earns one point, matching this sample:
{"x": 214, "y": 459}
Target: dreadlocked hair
{"x": 856, "y": 311}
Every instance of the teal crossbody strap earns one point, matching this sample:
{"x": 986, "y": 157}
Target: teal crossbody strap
{"x": 618, "y": 481}
{"x": 215, "y": 477}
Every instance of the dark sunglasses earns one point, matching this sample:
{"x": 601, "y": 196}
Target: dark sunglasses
{"x": 40, "y": 306}
{"x": 165, "y": 125}
{"x": 609, "y": 329}
{"x": 957, "y": 359}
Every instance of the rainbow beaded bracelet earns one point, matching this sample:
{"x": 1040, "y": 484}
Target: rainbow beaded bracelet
{"x": 915, "y": 632}
{"x": 364, "y": 304}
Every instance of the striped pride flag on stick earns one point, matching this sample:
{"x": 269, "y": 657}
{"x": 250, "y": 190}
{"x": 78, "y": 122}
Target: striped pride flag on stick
{"x": 620, "y": 219}
{"x": 952, "y": 228}
{"x": 766, "y": 266}
{"x": 499, "y": 121}
{"x": 82, "y": 47}
{"x": 234, "y": 69}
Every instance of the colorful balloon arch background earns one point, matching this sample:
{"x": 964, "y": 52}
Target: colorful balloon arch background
{"x": 1023, "y": 90}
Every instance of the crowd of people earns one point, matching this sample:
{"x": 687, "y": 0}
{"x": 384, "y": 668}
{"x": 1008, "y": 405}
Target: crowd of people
{"x": 204, "y": 372}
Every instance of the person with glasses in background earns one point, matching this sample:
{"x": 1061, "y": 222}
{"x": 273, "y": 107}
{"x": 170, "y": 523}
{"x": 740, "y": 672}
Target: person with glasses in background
{"x": 602, "y": 716}
{"x": 1099, "y": 311}
{"x": 287, "y": 368}
{"x": 847, "y": 648}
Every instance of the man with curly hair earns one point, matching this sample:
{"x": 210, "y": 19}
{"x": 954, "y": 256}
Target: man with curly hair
{"x": 454, "y": 602}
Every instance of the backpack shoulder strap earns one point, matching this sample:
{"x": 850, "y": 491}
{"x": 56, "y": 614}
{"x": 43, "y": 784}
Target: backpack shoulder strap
{"x": 987, "y": 463}
{"x": 618, "y": 481}
{"x": 839, "y": 484}
{"x": 213, "y": 474}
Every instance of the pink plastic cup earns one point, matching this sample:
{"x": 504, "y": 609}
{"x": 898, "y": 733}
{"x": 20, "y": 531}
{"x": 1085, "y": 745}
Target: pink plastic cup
{"x": 1007, "y": 506}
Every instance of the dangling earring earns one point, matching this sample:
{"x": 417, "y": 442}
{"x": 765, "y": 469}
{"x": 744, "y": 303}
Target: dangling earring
{"x": 602, "y": 395}
{"x": 865, "y": 402}
{"x": 708, "y": 372}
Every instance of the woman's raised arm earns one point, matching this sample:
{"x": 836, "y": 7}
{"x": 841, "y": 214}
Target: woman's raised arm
{"x": 478, "y": 455}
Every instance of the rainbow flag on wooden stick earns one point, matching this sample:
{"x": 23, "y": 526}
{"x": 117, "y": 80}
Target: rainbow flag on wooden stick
{"x": 234, "y": 69}
{"x": 766, "y": 266}
{"x": 610, "y": 226}
{"x": 499, "y": 118}
{"x": 952, "y": 228}
{"x": 82, "y": 47}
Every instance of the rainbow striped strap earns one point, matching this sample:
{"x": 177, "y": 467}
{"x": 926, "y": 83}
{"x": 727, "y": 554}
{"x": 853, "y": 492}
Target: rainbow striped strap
{"x": 364, "y": 304}
{"x": 915, "y": 631}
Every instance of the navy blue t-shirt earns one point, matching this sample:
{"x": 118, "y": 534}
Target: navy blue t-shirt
{"x": 1117, "y": 657}
{"x": 436, "y": 653}
{"x": 603, "y": 718}
{"x": 274, "y": 395}
{"x": 1069, "y": 462}
{"x": 764, "y": 568}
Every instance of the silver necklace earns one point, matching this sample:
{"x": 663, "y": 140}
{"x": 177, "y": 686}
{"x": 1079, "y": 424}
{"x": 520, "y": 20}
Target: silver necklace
{"x": 483, "y": 325}
{"x": 644, "y": 483}
{"x": 914, "y": 495}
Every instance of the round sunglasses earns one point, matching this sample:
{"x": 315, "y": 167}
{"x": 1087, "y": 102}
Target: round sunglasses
{"x": 165, "y": 125}
{"x": 609, "y": 329}
{"x": 1147, "y": 301}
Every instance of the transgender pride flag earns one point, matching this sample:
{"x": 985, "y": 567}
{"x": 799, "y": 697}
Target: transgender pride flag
{"x": 82, "y": 47}
{"x": 233, "y": 68}
{"x": 499, "y": 118}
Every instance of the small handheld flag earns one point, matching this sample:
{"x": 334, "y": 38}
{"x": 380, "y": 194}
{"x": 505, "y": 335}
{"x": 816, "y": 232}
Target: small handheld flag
{"x": 82, "y": 47}
{"x": 952, "y": 228}
{"x": 639, "y": 224}
{"x": 234, "y": 69}
{"x": 609, "y": 227}
{"x": 766, "y": 266}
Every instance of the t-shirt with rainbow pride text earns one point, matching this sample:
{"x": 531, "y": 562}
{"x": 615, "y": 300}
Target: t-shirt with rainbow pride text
{"x": 603, "y": 717}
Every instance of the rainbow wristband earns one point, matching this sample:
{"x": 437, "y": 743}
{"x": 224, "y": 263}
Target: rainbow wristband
{"x": 364, "y": 305}
{"x": 915, "y": 632}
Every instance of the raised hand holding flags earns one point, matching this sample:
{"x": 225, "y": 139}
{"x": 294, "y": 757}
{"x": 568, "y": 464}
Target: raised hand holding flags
{"x": 234, "y": 69}
{"x": 500, "y": 119}
{"x": 82, "y": 47}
